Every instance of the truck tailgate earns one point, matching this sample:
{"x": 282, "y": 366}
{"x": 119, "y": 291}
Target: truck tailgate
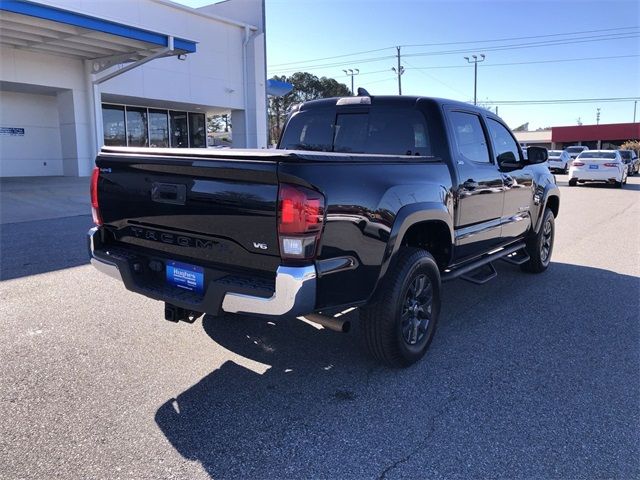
{"x": 204, "y": 209}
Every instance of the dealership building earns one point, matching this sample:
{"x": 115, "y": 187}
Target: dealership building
{"x": 77, "y": 74}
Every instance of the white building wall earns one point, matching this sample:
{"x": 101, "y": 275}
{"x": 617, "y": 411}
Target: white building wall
{"x": 213, "y": 76}
{"x": 39, "y": 151}
{"x": 211, "y": 80}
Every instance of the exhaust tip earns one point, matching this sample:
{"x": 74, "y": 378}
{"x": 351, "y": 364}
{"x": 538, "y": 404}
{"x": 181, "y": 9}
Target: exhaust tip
{"x": 331, "y": 323}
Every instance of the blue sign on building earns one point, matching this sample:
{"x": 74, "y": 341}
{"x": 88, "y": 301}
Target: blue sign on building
{"x": 11, "y": 131}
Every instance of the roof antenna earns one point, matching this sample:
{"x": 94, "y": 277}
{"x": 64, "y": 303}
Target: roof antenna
{"x": 362, "y": 92}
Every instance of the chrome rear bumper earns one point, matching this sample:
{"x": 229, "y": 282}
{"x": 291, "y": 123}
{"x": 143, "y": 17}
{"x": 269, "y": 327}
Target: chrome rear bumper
{"x": 294, "y": 295}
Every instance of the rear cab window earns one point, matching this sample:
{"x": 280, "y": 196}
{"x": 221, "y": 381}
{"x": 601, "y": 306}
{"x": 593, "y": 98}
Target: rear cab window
{"x": 376, "y": 130}
{"x": 469, "y": 136}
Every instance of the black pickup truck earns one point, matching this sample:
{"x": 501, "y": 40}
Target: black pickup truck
{"x": 368, "y": 201}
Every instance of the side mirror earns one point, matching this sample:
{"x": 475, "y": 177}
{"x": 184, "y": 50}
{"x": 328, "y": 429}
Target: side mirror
{"x": 537, "y": 155}
{"x": 508, "y": 161}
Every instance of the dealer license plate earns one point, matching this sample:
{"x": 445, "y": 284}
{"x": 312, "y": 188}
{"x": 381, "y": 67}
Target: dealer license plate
{"x": 185, "y": 276}
{"x": 593, "y": 167}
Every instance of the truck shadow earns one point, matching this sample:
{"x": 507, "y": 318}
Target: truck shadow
{"x": 39, "y": 246}
{"x": 511, "y": 361}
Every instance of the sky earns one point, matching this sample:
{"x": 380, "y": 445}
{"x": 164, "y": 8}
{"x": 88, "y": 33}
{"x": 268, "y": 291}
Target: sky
{"x": 554, "y": 50}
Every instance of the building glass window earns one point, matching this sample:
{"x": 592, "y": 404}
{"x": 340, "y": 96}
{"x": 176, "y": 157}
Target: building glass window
{"x": 113, "y": 126}
{"x": 137, "y": 128}
{"x": 197, "y": 130}
{"x": 152, "y": 127}
{"x": 158, "y": 128}
{"x": 179, "y": 130}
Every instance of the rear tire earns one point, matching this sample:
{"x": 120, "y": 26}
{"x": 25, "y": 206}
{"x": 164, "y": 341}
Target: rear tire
{"x": 400, "y": 323}
{"x": 573, "y": 182}
{"x": 540, "y": 246}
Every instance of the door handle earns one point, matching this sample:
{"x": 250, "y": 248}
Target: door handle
{"x": 470, "y": 185}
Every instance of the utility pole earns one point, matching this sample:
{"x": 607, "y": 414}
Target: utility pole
{"x": 399, "y": 71}
{"x": 475, "y": 62}
{"x": 597, "y": 116}
{"x": 351, "y": 73}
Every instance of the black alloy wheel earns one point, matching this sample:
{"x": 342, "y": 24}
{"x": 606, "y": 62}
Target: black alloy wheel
{"x": 401, "y": 318}
{"x": 540, "y": 245}
{"x": 416, "y": 313}
{"x": 546, "y": 243}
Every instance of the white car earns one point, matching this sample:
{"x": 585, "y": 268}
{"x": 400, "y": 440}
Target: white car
{"x": 598, "y": 166}
{"x": 575, "y": 150}
{"x": 559, "y": 160}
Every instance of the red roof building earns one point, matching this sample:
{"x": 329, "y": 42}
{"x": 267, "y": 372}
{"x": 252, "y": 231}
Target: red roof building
{"x": 608, "y": 136}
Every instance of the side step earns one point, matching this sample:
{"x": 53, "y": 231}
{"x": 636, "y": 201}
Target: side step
{"x": 481, "y": 274}
{"x": 517, "y": 258}
{"x": 469, "y": 271}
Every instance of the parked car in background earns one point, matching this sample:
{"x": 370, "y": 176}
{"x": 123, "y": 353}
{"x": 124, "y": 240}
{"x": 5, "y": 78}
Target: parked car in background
{"x": 559, "y": 160}
{"x": 576, "y": 150}
{"x": 598, "y": 166}
{"x": 630, "y": 158}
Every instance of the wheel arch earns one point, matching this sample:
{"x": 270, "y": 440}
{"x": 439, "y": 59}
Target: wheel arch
{"x": 426, "y": 225}
{"x": 550, "y": 198}
{"x": 553, "y": 202}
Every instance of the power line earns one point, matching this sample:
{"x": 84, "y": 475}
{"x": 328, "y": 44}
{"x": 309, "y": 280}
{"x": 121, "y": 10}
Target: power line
{"x": 435, "y": 79}
{"x": 332, "y": 65}
{"x": 518, "y": 38}
{"x": 518, "y": 46}
{"x": 587, "y": 39}
{"x": 560, "y": 101}
{"x": 450, "y": 43}
{"x": 411, "y": 67}
{"x": 563, "y": 60}
{"x": 330, "y": 58}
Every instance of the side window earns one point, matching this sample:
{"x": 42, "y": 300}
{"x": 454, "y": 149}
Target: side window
{"x": 470, "y": 139}
{"x": 309, "y": 130}
{"x": 506, "y": 147}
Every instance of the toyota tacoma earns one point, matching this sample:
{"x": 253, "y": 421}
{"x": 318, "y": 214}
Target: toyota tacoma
{"x": 368, "y": 202}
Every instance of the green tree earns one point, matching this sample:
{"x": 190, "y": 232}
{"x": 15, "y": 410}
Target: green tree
{"x": 306, "y": 86}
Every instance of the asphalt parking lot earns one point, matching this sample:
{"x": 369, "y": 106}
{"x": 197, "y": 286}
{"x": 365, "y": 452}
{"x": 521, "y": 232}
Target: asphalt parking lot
{"x": 527, "y": 377}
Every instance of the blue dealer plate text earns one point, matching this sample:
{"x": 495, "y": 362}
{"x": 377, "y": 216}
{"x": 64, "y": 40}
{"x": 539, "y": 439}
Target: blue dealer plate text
{"x": 185, "y": 276}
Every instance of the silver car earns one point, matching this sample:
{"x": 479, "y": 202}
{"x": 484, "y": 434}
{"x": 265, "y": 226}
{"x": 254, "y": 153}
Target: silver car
{"x": 559, "y": 161}
{"x": 630, "y": 158}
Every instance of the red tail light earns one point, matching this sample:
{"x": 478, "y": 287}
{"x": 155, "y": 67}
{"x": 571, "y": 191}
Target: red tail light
{"x": 95, "y": 207}
{"x": 610, "y": 164}
{"x": 575, "y": 163}
{"x": 300, "y": 219}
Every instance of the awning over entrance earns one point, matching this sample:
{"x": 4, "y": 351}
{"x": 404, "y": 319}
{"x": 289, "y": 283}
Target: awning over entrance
{"x": 42, "y": 28}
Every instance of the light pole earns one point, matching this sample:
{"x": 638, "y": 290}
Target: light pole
{"x": 475, "y": 62}
{"x": 635, "y": 104}
{"x": 351, "y": 73}
{"x": 398, "y": 71}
